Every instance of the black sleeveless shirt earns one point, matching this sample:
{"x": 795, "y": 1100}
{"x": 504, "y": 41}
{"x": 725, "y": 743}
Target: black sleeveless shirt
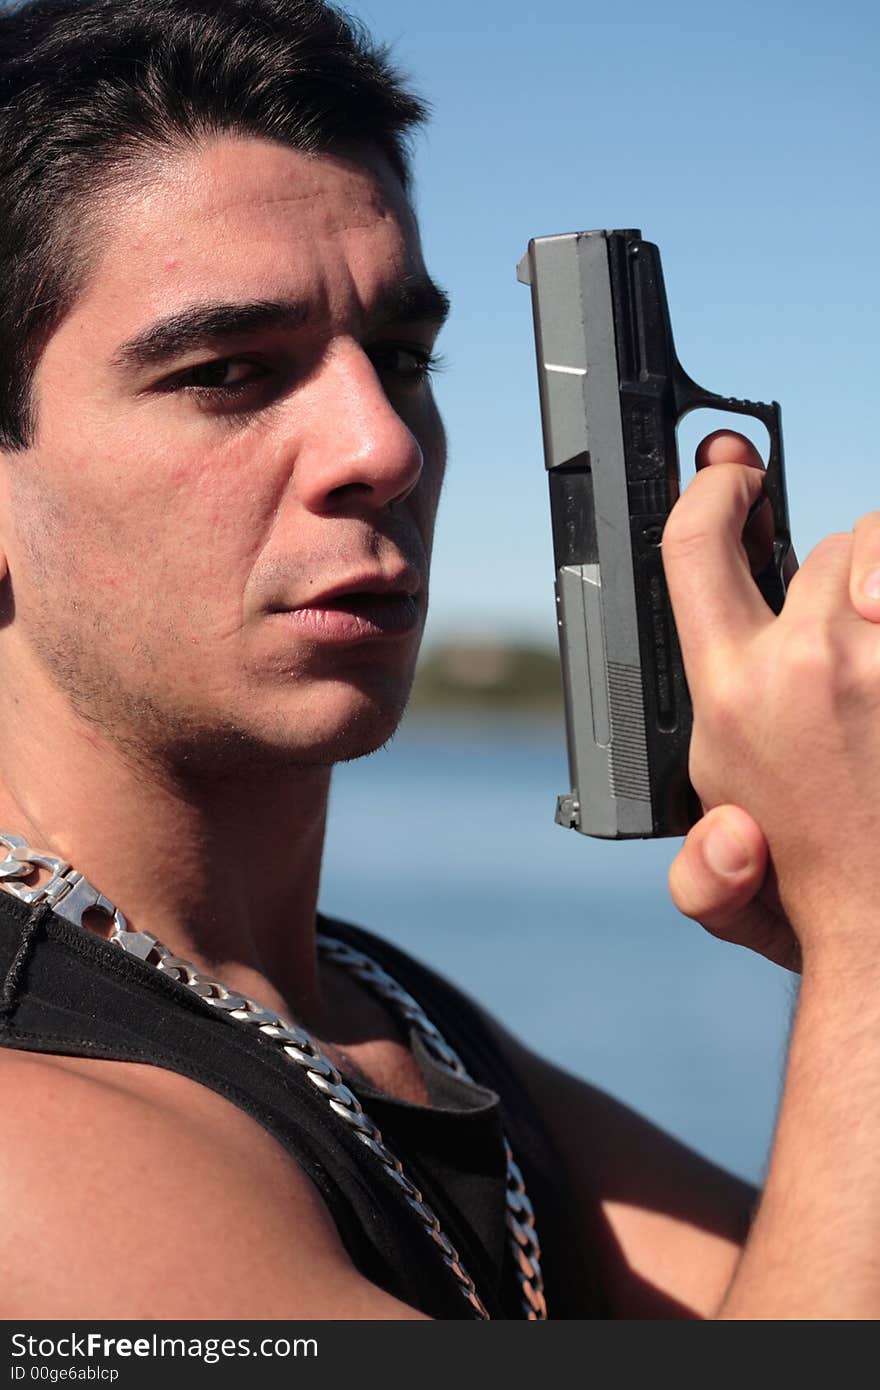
{"x": 67, "y": 991}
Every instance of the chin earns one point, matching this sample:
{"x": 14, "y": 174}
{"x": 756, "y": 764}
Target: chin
{"x": 347, "y": 724}
{"x": 335, "y": 722}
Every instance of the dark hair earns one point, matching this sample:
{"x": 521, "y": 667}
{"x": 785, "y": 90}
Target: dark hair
{"x": 89, "y": 88}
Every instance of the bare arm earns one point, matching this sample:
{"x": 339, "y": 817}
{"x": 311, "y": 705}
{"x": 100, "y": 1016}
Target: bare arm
{"x": 665, "y": 1224}
{"x": 787, "y": 742}
{"x": 814, "y": 1250}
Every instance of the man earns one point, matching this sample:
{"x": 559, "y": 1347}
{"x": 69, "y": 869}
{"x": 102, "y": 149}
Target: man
{"x": 221, "y": 465}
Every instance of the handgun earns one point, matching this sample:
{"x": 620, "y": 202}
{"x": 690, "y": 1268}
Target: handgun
{"x": 612, "y": 392}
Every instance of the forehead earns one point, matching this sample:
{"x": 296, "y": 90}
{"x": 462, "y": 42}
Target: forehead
{"x": 250, "y": 218}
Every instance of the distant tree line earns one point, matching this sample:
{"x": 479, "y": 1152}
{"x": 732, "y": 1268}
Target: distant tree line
{"x": 468, "y": 673}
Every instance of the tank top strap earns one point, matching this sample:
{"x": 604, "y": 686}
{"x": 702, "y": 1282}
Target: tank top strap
{"x": 67, "y": 991}
{"x": 571, "y": 1274}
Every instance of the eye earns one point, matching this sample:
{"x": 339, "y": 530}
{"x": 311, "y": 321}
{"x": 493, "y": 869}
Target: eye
{"x": 223, "y": 377}
{"x": 406, "y": 361}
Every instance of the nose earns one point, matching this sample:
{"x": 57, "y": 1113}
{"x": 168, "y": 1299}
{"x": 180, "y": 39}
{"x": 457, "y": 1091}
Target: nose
{"x": 359, "y": 450}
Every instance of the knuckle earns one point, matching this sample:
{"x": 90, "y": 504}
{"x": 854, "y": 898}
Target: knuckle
{"x": 870, "y": 521}
{"x": 715, "y": 503}
{"x": 826, "y": 669}
{"x": 809, "y": 651}
{"x": 723, "y": 699}
{"x": 856, "y": 681}
{"x": 683, "y": 538}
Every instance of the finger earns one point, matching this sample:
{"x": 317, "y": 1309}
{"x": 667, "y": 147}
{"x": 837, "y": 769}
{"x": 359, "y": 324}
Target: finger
{"x": 759, "y": 532}
{"x": 820, "y": 591}
{"x": 727, "y": 446}
{"x": 717, "y": 604}
{"x": 758, "y": 535}
{"x": 865, "y": 568}
{"x": 719, "y": 868}
{"x": 719, "y": 878}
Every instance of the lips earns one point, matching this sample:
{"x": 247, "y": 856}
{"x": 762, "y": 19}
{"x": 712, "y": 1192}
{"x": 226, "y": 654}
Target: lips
{"x": 358, "y": 617}
{"x": 405, "y": 582}
{"x": 361, "y": 609}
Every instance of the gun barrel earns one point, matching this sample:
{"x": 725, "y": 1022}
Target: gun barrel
{"x": 579, "y": 386}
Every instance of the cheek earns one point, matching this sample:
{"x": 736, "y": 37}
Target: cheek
{"x": 219, "y": 512}
{"x": 160, "y": 541}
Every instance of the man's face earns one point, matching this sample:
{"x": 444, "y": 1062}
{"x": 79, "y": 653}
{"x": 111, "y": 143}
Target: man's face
{"x": 220, "y": 538}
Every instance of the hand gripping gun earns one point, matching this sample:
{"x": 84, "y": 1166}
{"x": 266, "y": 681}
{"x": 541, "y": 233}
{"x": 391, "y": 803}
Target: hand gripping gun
{"x": 612, "y": 393}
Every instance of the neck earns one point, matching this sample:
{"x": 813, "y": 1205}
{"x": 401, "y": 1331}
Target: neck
{"x": 224, "y": 871}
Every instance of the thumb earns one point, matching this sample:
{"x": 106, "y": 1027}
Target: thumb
{"x": 719, "y": 868}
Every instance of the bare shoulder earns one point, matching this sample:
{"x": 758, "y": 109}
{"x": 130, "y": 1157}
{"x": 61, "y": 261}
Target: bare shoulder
{"x": 668, "y": 1223}
{"x": 132, "y": 1192}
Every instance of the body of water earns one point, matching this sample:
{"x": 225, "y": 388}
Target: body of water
{"x": 445, "y": 843}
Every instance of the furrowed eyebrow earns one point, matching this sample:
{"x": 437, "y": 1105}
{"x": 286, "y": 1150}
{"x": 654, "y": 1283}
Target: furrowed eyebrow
{"x": 415, "y": 299}
{"x": 204, "y": 325}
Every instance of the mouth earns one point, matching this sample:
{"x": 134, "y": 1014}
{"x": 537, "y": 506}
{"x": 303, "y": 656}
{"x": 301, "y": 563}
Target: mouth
{"x": 363, "y": 606}
{"x": 359, "y": 616}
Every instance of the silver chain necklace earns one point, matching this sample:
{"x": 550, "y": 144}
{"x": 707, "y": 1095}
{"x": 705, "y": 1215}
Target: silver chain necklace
{"x": 70, "y": 895}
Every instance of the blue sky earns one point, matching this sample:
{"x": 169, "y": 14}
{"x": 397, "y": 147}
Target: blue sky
{"x": 743, "y": 140}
